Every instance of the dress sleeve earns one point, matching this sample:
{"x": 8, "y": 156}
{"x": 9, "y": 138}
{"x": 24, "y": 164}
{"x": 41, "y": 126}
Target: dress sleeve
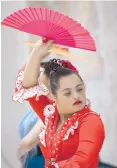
{"x": 91, "y": 137}
{"x": 36, "y": 96}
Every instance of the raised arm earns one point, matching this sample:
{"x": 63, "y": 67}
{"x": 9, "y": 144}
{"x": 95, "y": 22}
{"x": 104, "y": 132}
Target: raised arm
{"x": 32, "y": 68}
{"x": 27, "y": 85}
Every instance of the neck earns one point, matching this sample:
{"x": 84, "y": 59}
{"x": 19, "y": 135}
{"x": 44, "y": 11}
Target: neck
{"x": 63, "y": 115}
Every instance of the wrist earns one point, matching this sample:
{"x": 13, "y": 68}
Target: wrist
{"x": 36, "y": 54}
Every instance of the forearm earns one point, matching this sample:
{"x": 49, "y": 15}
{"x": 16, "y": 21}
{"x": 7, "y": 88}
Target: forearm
{"x": 32, "y": 70}
{"x": 24, "y": 148}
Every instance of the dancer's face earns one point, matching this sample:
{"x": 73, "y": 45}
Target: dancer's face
{"x": 70, "y": 96}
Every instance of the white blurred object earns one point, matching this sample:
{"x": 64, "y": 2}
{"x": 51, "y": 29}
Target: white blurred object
{"x": 89, "y": 72}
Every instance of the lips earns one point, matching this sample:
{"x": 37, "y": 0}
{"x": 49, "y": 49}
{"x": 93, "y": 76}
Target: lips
{"x": 77, "y": 102}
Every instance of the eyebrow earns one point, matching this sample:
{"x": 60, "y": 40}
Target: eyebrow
{"x": 70, "y": 88}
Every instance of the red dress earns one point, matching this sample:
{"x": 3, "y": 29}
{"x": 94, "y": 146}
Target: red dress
{"x": 80, "y": 145}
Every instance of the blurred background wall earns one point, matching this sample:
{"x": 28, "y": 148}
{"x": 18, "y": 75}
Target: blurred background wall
{"x": 101, "y": 82}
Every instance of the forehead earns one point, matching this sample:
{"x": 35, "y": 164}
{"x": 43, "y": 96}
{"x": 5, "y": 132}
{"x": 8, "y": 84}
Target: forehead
{"x": 70, "y": 81}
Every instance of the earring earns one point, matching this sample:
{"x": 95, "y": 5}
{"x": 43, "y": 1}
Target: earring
{"x": 88, "y": 103}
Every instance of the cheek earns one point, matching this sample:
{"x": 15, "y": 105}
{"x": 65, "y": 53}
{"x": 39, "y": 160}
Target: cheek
{"x": 65, "y": 104}
{"x": 64, "y": 100}
{"x": 82, "y": 95}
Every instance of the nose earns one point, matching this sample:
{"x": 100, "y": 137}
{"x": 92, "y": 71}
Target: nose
{"x": 75, "y": 95}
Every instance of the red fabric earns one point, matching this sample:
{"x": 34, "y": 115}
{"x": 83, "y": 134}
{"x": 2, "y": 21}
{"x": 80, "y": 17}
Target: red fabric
{"x": 82, "y": 149}
{"x": 53, "y": 144}
{"x": 39, "y": 105}
{"x": 91, "y": 137}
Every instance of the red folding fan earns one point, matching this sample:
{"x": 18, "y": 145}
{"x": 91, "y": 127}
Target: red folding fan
{"x": 51, "y": 25}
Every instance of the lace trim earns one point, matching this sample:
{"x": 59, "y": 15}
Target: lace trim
{"x": 41, "y": 136}
{"x": 66, "y": 136}
{"x": 71, "y": 131}
{"x": 22, "y": 94}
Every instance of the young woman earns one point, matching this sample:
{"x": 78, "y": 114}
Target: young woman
{"x": 30, "y": 119}
{"x": 71, "y": 135}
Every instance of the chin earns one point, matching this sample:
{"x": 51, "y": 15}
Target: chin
{"x": 79, "y": 107}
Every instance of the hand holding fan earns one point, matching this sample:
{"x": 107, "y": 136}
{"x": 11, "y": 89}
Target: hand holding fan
{"x": 56, "y": 49}
{"x": 63, "y": 51}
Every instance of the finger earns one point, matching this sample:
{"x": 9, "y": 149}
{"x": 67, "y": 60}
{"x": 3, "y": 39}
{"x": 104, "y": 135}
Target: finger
{"x": 49, "y": 44}
{"x": 39, "y": 43}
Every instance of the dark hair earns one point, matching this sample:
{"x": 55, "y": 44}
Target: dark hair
{"x": 54, "y": 70}
{"x": 57, "y": 74}
{"x": 52, "y": 65}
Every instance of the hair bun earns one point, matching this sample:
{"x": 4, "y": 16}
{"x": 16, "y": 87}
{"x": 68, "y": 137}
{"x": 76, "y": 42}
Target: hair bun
{"x": 54, "y": 65}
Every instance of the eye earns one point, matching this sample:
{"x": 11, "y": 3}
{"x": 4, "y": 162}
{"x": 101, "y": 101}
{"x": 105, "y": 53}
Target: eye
{"x": 67, "y": 94}
{"x": 79, "y": 90}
